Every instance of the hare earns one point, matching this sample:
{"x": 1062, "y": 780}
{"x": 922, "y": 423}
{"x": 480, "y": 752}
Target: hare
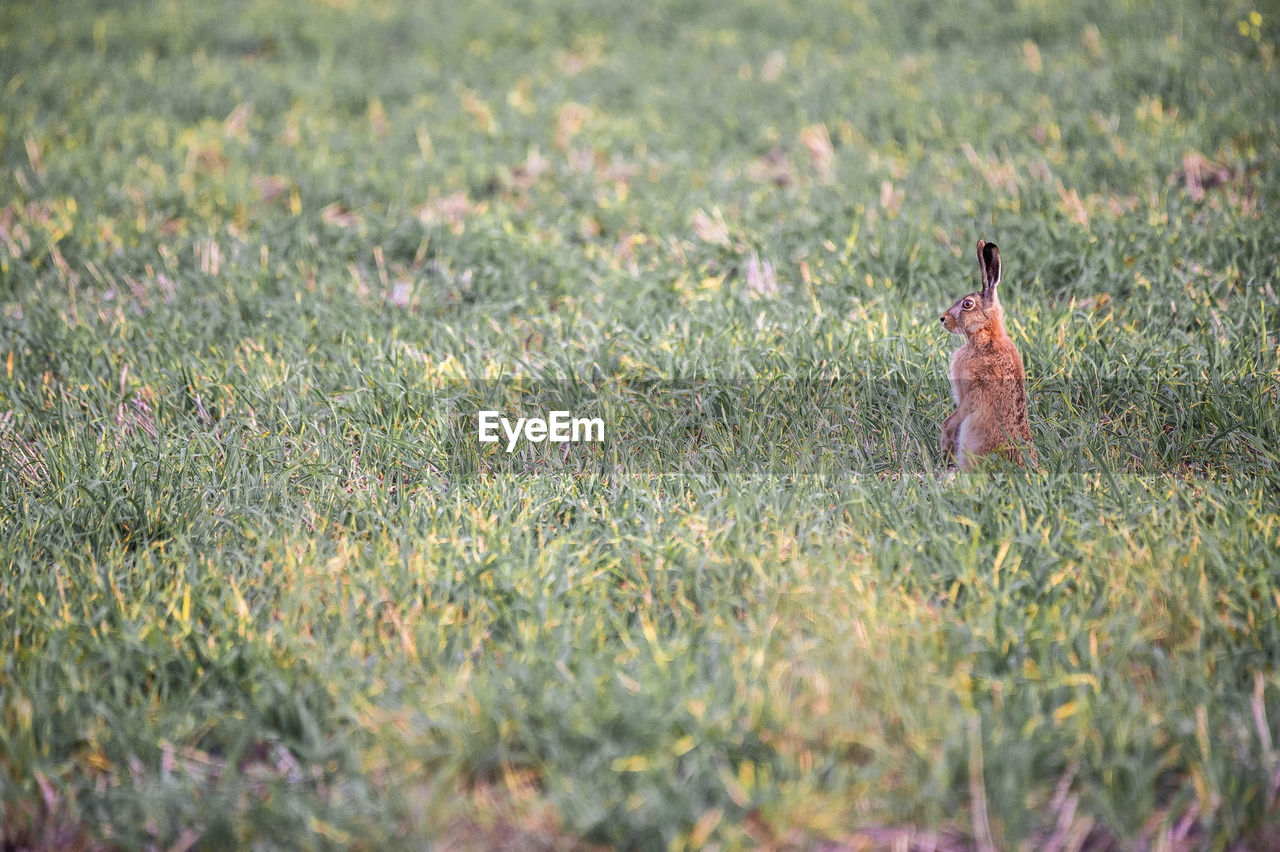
{"x": 988, "y": 381}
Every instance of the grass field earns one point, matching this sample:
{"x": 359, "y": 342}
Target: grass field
{"x": 261, "y": 263}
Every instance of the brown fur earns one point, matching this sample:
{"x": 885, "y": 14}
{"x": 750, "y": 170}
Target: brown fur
{"x": 988, "y": 381}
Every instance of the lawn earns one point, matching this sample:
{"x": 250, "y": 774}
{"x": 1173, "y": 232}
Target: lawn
{"x": 262, "y": 264}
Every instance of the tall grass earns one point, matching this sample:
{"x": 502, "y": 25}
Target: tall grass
{"x": 261, "y": 265}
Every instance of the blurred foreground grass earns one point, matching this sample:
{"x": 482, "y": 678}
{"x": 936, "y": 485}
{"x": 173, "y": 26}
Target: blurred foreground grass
{"x": 261, "y": 587}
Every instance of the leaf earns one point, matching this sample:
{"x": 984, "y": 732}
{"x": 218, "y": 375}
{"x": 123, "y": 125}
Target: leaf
{"x": 338, "y": 215}
{"x": 710, "y": 229}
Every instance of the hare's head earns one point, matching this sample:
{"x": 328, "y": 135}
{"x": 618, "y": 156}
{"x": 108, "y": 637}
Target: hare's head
{"x": 974, "y": 312}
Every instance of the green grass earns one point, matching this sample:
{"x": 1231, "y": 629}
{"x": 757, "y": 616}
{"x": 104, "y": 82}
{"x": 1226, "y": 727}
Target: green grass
{"x": 260, "y": 264}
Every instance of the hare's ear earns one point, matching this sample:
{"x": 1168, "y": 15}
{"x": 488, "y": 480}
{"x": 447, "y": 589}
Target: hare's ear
{"x": 989, "y": 266}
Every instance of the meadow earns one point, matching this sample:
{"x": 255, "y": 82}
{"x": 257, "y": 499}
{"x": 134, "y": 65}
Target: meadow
{"x": 262, "y": 587}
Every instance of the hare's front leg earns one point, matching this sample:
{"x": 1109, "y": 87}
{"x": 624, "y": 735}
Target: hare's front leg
{"x": 950, "y": 428}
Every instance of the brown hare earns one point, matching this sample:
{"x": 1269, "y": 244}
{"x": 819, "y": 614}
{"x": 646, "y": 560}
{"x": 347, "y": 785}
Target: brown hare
{"x": 988, "y": 381}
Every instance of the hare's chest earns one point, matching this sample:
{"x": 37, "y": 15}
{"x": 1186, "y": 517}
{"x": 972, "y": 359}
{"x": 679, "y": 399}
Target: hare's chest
{"x": 958, "y": 362}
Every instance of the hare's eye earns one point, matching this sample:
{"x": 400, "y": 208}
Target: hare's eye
{"x": 967, "y": 304}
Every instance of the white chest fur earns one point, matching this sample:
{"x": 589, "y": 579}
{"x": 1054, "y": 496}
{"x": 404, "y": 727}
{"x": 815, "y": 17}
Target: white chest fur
{"x": 955, "y": 377}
